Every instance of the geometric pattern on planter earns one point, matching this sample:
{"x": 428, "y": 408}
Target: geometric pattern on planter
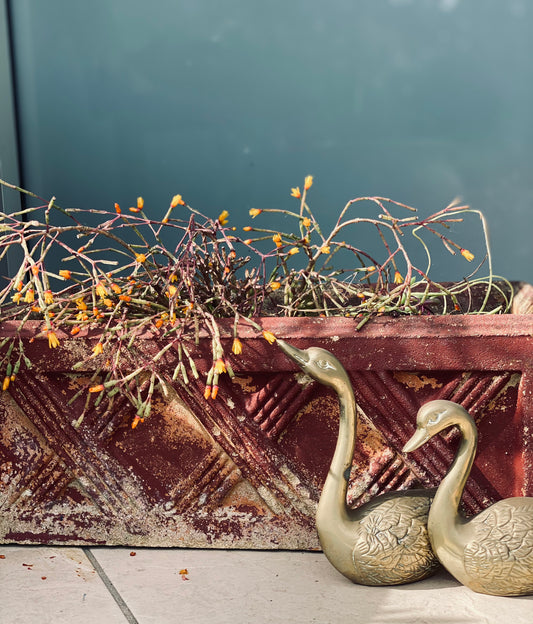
{"x": 247, "y": 469}
{"x": 383, "y": 395}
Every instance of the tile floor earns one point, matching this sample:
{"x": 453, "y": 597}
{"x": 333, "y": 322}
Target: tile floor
{"x": 60, "y": 585}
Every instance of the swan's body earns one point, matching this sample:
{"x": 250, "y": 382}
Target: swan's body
{"x": 385, "y": 541}
{"x": 492, "y": 552}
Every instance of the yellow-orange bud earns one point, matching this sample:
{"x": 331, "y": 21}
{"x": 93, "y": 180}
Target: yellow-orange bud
{"x": 53, "y": 342}
{"x": 295, "y": 192}
{"x": 220, "y": 367}
{"x": 468, "y": 255}
{"x": 177, "y": 200}
{"x": 269, "y": 337}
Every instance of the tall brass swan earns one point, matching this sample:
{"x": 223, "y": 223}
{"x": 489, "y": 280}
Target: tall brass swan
{"x": 492, "y": 552}
{"x": 385, "y": 541}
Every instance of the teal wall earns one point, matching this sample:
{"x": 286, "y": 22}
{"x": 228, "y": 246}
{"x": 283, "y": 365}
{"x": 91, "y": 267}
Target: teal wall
{"x": 232, "y": 102}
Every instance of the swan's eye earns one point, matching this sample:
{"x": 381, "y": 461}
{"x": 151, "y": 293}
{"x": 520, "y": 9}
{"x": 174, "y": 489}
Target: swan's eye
{"x": 324, "y": 364}
{"x": 434, "y": 419}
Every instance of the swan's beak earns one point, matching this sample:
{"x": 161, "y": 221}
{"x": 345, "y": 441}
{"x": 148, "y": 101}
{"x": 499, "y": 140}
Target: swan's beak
{"x": 299, "y": 356}
{"x": 420, "y": 436}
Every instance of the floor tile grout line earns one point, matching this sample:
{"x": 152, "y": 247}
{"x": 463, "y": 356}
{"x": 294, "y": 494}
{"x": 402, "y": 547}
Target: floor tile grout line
{"x": 110, "y": 587}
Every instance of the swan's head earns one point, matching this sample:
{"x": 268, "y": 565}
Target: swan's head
{"x": 317, "y": 363}
{"x": 432, "y": 418}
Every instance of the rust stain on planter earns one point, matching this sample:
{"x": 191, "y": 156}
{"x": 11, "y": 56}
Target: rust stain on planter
{"x": 246, "y": 470}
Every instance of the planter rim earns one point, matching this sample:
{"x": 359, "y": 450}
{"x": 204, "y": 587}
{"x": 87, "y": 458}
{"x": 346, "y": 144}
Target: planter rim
{"x": 322, "y": 327}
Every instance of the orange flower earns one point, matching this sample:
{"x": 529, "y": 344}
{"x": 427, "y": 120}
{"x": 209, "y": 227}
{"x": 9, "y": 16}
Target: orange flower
{"x": 220, "y": 367}
{"x": 117, "y": 208}
{"x": 19, "y": 286}
{"x": 277, "y": 239}
{"x": 223, "y": 217}
{"x": 126, "y": 298}
{"x": 30, "y": 296}
{"x": 295, "y": 192}
{"x": 236, "y": 347}
{"x": 48, "y": 297}
{"x": 306, "y": 222}
{"x": 214, "y": 392}
{"x": 140, "y": 258}
{"x": 275, "y": 285}
{"x": 207, "y": 392}
{"x": 116, "y": 289}
{"x": 269, "y": 337}
{"x": 80, "y": 304}
{"x": 53, "y": 342}
{"x": 101, "y": 290}
{"x": 16, "y": 297}
{"x": 75, "y": 330}
{"x": 254, "y": 212}
{"x": 308, "y": 182}
{"x": 398, "y": 279}
{"x": 325, "y": 249}
{"x": 293, "y": 250}
{"x": 248, "y": 241}
{"x": 136, "y": 421}
{"x": 35, "y": 269}
{"x": 65, "y": 274}
{"x": 98, "y": 348}
{"x": 177, "y": 201}
{"x": 108, "y": 303}
{"x": 467, "y": 254}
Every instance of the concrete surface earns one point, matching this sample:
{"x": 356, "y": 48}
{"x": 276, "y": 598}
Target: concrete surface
{"x": 41, "y": 585}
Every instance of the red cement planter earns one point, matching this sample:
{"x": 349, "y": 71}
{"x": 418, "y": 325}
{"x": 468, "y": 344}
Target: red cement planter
{"x": 246, "y": 470}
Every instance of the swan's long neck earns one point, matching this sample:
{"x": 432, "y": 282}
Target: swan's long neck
{"x": 445, "y": 508}
{"x": 333, "y": 499}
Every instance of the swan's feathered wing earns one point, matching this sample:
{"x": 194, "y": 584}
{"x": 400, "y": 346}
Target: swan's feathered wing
{"x": 500, "y": 555}
{"x": 392, "y": 543}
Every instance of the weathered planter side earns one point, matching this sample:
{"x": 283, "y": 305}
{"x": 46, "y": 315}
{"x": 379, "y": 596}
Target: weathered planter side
{"x": 246, "y": 470}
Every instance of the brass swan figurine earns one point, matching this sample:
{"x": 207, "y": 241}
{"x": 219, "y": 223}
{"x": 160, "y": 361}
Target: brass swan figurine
{"x": 385, "y": 541}
{"x": 491, "y": 552}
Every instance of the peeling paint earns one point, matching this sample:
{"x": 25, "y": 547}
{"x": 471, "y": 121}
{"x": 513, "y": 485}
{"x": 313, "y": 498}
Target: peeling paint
{"x": 416, "y": 381}
{"x": 246, "y": 471}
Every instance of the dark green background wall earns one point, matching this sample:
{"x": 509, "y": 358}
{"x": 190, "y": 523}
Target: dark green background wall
{"x": 232, "y": 102}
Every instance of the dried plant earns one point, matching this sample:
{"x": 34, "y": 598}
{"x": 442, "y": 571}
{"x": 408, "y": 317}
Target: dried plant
{"x": 121, "y": 277}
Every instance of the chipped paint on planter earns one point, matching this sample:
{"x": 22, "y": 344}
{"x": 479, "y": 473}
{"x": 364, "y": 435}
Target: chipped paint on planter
{"x": 246, "y": 470}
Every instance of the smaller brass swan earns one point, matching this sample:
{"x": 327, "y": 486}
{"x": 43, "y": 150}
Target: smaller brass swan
{"x": 385, "y": 541}
{"x": 491, "y": 552}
